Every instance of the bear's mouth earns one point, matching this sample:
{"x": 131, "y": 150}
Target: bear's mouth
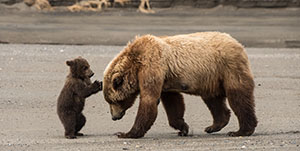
{"x": 91, "y": 75}
{"x": 119, "y": 116}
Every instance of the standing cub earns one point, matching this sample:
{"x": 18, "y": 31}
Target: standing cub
{"x": 71, "y": 100}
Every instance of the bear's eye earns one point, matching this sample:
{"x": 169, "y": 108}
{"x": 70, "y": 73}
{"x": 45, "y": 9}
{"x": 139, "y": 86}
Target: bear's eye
{"x": 117, "y": 82}
{"x": 85, "y": 68}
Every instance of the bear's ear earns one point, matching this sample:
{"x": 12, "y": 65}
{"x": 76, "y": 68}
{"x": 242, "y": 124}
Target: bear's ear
{"x": 69, "y": 63}
{"x": 117, "y": 82}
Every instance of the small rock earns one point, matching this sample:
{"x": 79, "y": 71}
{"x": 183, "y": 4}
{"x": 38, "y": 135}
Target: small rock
{"x": 259, "y": 84}
{"x": 125, "y": 143}
{"x": 243, "y": 146}
{"x": 125, "y": 148}
{"x": 61, "y": 50}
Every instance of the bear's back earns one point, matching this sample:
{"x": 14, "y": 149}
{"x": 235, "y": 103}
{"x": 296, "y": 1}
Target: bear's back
{"x": 201, "y": 58}
{"x": 201, "y": 51}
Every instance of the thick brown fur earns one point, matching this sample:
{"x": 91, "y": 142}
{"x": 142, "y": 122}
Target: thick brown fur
{"x": 71, "y": 100}
{"x": 212, "y": 65}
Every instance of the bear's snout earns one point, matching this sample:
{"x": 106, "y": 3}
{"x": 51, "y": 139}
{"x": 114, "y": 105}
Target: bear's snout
{"x": 92, "y": 74}
{"x": 119, "y": 116}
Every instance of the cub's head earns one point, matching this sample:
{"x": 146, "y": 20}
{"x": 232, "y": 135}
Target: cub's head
{"x": 120, "y": 84}
{"x": 80, "y": 68}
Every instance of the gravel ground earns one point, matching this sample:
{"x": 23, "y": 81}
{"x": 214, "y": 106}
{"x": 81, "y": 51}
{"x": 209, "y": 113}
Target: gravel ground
{"x": 31, "y": 77}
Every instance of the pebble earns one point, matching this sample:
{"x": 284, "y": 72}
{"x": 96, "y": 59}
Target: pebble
{"x": 125, "y": 143}
{"x": 243, "y": 146}
{"x": 125, "y": 148}
{"x": 61, "y": 50}
{"x": 0, "y": 69}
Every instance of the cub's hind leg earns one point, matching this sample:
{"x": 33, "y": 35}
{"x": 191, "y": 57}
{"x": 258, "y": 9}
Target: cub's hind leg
{"x": 69, "y": 121}
{"x": 80, "y": 122}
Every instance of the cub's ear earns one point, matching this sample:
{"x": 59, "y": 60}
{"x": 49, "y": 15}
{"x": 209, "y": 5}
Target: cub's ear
{"x": 69, "y": 63}
{"x": 117, "y": 82}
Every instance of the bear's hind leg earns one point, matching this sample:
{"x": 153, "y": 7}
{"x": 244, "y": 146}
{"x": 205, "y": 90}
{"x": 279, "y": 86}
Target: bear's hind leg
{"x": 241, "y": 101}
{"x": 174, "y": 106}
{"x": 80, "y": 122}
{"x": 69, "y": 122}
{"x": 219, "y": 111}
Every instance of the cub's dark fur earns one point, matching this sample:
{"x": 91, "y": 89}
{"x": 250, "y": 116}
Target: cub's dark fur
{"x": 71, "y": 100}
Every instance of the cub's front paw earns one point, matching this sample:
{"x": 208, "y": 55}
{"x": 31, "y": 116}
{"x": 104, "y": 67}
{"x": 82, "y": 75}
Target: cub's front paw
{"x": 97, "y": 86}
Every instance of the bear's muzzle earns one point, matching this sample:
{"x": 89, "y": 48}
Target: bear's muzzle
{"x": 119, "y": 116}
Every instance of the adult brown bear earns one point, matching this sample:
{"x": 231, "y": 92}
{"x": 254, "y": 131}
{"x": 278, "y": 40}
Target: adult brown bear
{"x": 212, "y": 65}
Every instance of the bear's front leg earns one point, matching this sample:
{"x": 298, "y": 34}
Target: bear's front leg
{"x": 96, "y": 87}
{"x": 150, "y": 84}
{"x": 145, "y": 118}
{"x": 86, "y": 91}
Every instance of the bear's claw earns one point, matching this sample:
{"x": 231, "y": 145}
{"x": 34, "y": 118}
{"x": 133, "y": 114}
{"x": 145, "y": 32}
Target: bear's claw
{"x": 121, "y": 135}
{"x": 184, "y": 131}
{"x": 70, "y": 136}
{"x": 79, "y": 134}
{"x": 212, "y": 129}
{"x": 128, "y": 135}
{"x": 240, "y": 133}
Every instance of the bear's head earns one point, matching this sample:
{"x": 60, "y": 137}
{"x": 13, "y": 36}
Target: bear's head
{"x": 80, "y": 68}
{"x": 120, "y": 84}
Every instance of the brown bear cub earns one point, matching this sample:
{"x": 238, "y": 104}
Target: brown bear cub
{"x": 71, "y": 100}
